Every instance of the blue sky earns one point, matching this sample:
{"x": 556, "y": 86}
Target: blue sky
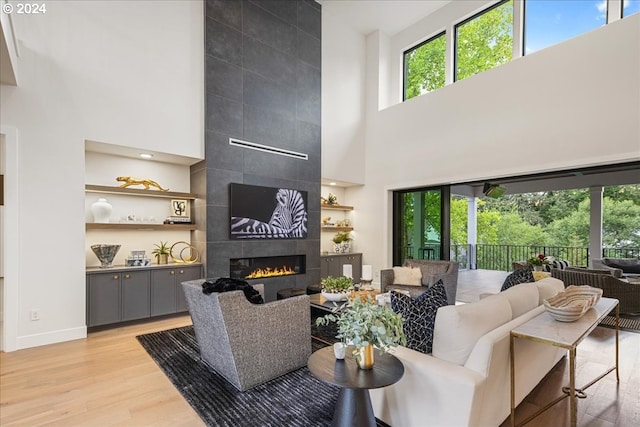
{"x": 548, "y": 22}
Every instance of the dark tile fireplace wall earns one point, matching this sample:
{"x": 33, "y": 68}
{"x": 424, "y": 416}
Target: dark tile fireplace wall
{"x": 262, "y": 71}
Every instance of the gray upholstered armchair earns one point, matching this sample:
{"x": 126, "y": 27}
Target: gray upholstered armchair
{"x": 432, "y": 271}
{"x": 249, "y": 344}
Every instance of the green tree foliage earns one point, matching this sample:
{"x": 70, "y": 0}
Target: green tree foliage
{"x": 485, "y": 42}
{"x": 514, "y": 230}
{"x": 424, "y": 67}
{"x": 554, "y": 218}
{"x": 481, "y": 44}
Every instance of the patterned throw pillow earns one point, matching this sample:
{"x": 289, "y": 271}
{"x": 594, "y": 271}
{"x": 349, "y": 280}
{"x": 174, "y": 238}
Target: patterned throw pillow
{"x": 517, "y": 277}
{"x": 560, "y": 263}
{"x": 420, "y": 315}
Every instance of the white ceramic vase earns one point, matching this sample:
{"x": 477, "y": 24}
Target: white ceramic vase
{"x": 101, "y": 210}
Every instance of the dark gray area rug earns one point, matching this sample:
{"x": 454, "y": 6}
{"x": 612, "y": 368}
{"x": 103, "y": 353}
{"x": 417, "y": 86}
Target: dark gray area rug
{"x": 294, "y": 399}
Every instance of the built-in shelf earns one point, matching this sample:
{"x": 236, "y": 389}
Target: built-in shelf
{"x": 331, "y": 228}
{"x": 139, "y": 192}
{"x": 336, "y": 207}
{"x": 130, "y": 227}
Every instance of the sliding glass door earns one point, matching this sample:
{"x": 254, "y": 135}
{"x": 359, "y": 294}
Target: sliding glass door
{"x": 421, "y": 224}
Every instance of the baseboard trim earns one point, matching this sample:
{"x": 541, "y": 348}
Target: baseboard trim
{"x": 53, "y": 337}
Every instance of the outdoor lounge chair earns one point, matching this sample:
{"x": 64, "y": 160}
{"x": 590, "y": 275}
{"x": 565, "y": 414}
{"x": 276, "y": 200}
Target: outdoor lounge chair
{"x": 627, "y": 293}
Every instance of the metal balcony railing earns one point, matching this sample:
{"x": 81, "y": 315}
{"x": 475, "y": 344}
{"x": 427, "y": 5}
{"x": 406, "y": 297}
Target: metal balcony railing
{"x": 500, "y": 257}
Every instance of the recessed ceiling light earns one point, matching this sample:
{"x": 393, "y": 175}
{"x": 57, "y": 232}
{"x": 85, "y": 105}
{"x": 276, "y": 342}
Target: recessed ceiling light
{"x": 332, "y": 183}
{"x": 146, "y": 155}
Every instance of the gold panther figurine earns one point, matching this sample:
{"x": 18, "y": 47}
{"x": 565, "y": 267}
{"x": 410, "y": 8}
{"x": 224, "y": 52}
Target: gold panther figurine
{"x": 128, "y": 181}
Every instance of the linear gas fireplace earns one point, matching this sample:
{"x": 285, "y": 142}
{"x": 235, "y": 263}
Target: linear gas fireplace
{"x": 272, "y": 266}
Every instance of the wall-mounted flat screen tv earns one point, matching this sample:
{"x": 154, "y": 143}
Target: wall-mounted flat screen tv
{"x": 267, "y": 213}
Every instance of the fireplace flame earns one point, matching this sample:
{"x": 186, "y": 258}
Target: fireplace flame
{"x": 270, "y": 272}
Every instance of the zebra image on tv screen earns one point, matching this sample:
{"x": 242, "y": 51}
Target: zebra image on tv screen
{"x": 267, "y": 213}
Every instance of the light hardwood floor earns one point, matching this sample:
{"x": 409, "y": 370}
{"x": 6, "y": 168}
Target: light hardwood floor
{"x": 109, "y": 380}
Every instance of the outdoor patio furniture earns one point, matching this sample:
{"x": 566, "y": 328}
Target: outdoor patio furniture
{"x": 626, "y": 292}
{"x": 627, "y": 266}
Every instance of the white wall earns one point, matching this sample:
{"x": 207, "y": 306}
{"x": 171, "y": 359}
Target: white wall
{"x": 571, "y": 105}
{"x": 343, "y": 91}
{"x": 128, "y": 73}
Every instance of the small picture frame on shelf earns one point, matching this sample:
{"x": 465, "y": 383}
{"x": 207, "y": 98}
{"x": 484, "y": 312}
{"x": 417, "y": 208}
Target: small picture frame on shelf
{"x": 180, "y": 208}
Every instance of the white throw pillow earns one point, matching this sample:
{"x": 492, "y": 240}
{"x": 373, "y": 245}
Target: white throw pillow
{"x": 407, "y": 276}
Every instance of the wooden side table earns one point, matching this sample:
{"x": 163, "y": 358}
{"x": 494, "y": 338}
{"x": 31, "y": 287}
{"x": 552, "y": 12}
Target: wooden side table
{"x": 354, "y": 403}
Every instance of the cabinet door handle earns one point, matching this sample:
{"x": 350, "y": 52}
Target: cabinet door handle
{"x": 126, "y": 276}
{"x": 116, "y": 277}
{"x": 172, "y": 272}
{"x": 181, "y": 271}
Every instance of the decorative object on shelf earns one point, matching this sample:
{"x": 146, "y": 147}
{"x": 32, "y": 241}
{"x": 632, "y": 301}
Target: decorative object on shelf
{"x": 101, "y": 210}
{"x": 162, "y": 252}
{"x": 572, "y": 303}
{"x": 342, "y": 242}
{"x": 384, "y": 328}
{"x": 137, "y": 259}
{"x": 105, "y": 253}
{"x": 127, "y": 181}
{"x": 331, "y": 200}
{"x": 538, "y": 262}
{"x": 336, "y": 288}
{"x": 180, "y": 208}
{"x": 326, "y": 221}
{"x": 182, "y": 257}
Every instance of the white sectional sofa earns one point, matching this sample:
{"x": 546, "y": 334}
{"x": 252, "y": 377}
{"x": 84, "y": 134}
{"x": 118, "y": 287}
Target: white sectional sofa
{"x": 466, "y": 380}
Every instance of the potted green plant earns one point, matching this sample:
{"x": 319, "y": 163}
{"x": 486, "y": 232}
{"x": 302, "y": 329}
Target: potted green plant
{"x": 336, "y": 288}
{"x": 162, "y": 252}
{"x": 342, "y": 242}
{"x": 365, "y": 325}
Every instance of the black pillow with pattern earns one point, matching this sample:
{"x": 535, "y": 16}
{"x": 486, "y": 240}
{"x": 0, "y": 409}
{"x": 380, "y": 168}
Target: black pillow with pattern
{"x": 517, "y": 277}
{"x": 420, "y": 315}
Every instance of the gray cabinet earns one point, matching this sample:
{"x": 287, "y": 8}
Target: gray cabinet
{"x": 185, "y": 274}
{"x": 135, "y": 295}
{"x": 331, "y": 265}
{"x": 103, "y": 299}
{"x": 130, "y": 293}
{"x": 166, "y": 289}
{"x": 163, "y": 292}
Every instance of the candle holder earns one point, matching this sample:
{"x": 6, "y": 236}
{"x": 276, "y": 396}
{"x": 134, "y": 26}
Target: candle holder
{"x": 366, "y": 284}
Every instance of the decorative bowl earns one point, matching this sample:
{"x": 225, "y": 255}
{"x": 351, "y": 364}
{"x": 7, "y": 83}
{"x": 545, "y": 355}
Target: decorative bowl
{"x": 342, "y": 296}
{"x": 572, "y": 303}
{"x": 105, "y": 253}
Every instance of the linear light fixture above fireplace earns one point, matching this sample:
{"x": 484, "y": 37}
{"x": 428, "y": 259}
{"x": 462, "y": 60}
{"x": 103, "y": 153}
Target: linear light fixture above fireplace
{"x": 267, "y": 149}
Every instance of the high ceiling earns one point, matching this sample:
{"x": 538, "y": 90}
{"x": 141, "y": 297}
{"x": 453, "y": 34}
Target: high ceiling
{"x": 366, "y": 16}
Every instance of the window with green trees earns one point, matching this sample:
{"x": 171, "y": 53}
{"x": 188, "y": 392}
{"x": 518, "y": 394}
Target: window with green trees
{"x": 484, "y": 41}
{"x": 550, "y": 22}
{"x": 417, "y": 224}
{"x": 424, "y": 67}
{"x": 551, "y": 218}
